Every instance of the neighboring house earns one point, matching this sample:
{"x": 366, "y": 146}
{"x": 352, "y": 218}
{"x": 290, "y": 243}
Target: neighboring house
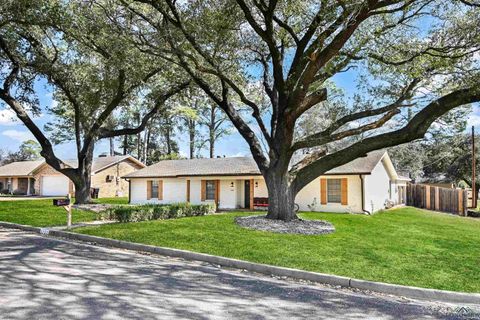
{"x": 363, "y": 185}
{"x": 38, "y": 178}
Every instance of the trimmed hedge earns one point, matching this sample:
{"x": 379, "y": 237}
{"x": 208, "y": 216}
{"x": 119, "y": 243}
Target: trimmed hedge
{"x": 135, "y": 213}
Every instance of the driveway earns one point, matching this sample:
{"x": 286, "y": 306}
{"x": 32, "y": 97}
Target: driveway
{"x": 46, "y": 278}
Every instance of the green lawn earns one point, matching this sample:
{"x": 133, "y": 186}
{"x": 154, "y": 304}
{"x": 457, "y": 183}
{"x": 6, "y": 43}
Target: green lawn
{"x": 403, "y": 246}
{"x": 39, "y": 213}
{"x": 118, "y": 200}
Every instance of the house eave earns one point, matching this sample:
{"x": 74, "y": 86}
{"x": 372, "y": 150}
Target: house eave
{"x": 232, "y": 175}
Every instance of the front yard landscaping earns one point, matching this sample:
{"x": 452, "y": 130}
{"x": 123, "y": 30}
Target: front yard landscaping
{"x": 404, "y": 246}
{"x": 115, "y": 200}
{"x": 39, "y": 213}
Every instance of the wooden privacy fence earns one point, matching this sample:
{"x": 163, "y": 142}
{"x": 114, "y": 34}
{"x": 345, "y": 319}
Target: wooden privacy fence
{"x": 437, "y": 198}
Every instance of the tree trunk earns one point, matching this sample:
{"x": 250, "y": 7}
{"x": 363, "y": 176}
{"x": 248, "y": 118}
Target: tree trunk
{"x": 212, "y": 148}
{"x": 82, "y": 189}
{"x": 147, "y": 152}
{"x": 168, "y": 141}
{"x": 145, "y": 146}
{"x": 191, "y": 130}
{"x": 139, "y": 139}
{"x": 211, "y": 131}
{"x": 281, "y": 196}
{"x": 125, "y": 144}
{"x": 112, "y": 147}
{"x": 83, "y": 178}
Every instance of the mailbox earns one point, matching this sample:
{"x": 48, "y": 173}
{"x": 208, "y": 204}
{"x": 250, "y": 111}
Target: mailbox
{"x": 61, "y": 202}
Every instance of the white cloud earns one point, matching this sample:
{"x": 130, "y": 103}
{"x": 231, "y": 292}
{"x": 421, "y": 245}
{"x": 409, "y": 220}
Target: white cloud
{"x": 473, "y": 120}
{"x": 474, "y": 117}
{"x": 239, "y": 154}
{"x": 8, "y": 118}
{"x": 54, "y": 104}
{"x": 18, "y": 135}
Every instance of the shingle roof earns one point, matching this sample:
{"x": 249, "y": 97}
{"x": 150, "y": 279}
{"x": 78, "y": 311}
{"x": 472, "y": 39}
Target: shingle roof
{"x": 102, "y": 162}
{"x": 360, "y": 165}
{"x": 25, "y": 168}
{"x": 236, "y": 166}
{"x": 19, "y": 168}
{"x": 199, "y": 167}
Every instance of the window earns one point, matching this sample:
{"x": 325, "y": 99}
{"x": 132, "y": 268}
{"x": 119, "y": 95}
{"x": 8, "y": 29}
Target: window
{"x": 210, "y": 188}
{"x": 155, "y": 189}
{"x": 334, "y": 190}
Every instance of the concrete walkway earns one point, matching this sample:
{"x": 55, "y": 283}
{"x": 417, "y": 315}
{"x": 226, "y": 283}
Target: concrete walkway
{"x": 46, "y": 278}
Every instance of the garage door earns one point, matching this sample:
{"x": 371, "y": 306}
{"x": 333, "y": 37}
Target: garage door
{"x": 55, "y": 185}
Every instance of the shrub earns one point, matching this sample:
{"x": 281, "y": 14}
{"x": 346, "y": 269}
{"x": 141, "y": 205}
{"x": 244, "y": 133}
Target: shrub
{"x": 5, "y": 191}
{"x": 473, "y": 213}
{"x": 18, "y": 192}
{"x": 161, "y": 212}
{"x": 135, "y": 213}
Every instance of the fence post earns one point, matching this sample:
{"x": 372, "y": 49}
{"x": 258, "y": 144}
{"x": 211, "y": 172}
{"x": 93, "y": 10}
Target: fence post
{"x": 461, "y": 208}
{"x": 427, "y": 197}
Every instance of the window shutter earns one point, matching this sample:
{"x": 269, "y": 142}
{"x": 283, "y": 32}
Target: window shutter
{"x": 217, "y": 191}
{"x": 160, "y": 190}
{"x": 149, "y": 189}
{"x": 344, "y": 191}
{"x": 204, "y": 190}
{"x": 188, "y": 190}
{"x": 323, "y": 191}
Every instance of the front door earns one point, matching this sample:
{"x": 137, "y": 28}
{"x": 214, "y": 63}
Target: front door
{"x": 247, "y": 194}
{"x": 22, "y": 185}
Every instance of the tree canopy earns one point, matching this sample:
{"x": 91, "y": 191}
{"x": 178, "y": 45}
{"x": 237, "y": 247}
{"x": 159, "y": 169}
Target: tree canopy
{"x": 415, "y": 61}
{"x": 92, "y": 67}
{"x": 271, "y": 66}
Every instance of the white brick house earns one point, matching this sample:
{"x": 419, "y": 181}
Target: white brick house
{"x": 363, "y": 185}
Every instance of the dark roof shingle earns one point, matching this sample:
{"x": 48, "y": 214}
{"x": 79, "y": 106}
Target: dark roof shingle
{"x": 236, "y": 166}
{"x": 19, "y": 168}
{"x": 25, "y": 168}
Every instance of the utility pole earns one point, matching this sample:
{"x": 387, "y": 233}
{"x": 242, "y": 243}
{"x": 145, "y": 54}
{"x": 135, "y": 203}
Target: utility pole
{"x": 474, "y": 191}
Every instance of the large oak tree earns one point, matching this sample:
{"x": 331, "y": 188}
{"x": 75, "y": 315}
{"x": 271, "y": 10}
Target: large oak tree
{"x": 420, "y": 55}
{"x": 91, "y": 67}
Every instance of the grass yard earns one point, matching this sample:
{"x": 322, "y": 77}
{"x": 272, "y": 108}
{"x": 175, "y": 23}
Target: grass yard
{"x": 39, "y": 213}
{"x": 118, "y": 200}
{"x": 404, "y": 246}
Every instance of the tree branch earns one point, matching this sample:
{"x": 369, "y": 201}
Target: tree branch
{"x": 107, "y": 133}
{"x": 415, "y": 129}
{"x": 326, "y": 136}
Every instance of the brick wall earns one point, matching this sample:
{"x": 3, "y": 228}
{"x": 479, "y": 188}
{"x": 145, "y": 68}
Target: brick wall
{"x": 46, "y": 170}
{"x": 117, "y": 186}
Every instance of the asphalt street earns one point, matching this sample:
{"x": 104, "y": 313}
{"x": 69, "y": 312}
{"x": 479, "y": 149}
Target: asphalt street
{"x": 47, "y": 278}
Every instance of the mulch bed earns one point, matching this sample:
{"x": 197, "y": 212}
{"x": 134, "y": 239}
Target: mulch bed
{"x": 95, "y": 207}
{"x": 299, "y": 226}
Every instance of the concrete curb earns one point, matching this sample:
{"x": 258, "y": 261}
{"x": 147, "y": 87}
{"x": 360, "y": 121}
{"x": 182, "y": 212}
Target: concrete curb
{"x": 398, "y": 290}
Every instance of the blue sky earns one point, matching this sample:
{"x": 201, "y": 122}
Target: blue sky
{"x": 12, "y": 132}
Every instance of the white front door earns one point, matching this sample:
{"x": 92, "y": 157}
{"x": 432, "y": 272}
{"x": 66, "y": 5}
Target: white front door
{"x": 55, "y": 185}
